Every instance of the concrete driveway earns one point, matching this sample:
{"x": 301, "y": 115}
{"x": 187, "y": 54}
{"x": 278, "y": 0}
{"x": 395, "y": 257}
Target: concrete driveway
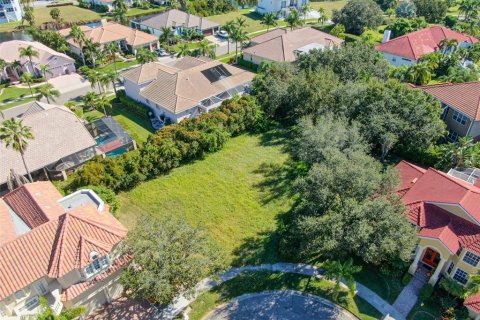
{"x": 279, "y": 305}
{"x": 221, "y": 45}
{"x": 71, "y": 86}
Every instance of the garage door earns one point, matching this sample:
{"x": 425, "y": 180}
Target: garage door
{"x": 208, "y": 32}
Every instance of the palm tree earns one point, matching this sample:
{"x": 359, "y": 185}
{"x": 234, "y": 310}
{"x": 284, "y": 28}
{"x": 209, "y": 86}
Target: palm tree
{"x": 144, "y": 56}
{"x": 105, "y": 79}
{"x": 322, "y": 16}
{"x": 431, "y": 60}
{"x": 293, "y": 20}
{"x": 112, "y": 49}
{"x": 44, "y": 69}
{"x": 29, "y": 52}
{"x": 27, "y": 78}
{"x": 112, "y": 76}
{"x": 473, "y": 286}
{"x": 448, "y": 45}
{"x": 92, "y": 48}
{"x": 120, "y": 5}
{"x": 89, "y": 98}
{"x": 420, "y": 73}
{"x": 95, "y": 79}
{"x": 338, "y": 271}
{"x": 238, "y": 35}
{"x": 241, "y": 22}
{"x": 229, "y": 26}
{"x": 48, "y": 92}
{"x": 183, "y": 50}
{"x": 459, "y": 154}
{"x": 206, "y": 49}
{"x": 103, "y": 103}
{"x": 167, "y": 36}
{"x": 14, "y": 134}
{"x": 46, "y": 312}
{"x": 469, "y": 8}
{"x": 270, "y": 20}
{"x": 79, "y": 37}
{"x": 306, "y": 8}
{"x": 3, "y": 66}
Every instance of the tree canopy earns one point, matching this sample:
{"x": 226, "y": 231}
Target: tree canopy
{"x": 170, "y": 257}
{"x": 358, "y": 15}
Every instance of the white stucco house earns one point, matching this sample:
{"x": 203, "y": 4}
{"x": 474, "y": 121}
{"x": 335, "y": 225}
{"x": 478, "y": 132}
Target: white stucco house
{"x": 10, "y": 10}
{"x": 185, "y": 87}
{"x": 281, "y": 7}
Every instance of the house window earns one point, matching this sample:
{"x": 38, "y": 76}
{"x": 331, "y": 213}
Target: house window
{"x": 444, "y": 113}
{"x": 97, "y": 264}
{"x": 459, "y": 251}
{"x": 41, "y": 289}
{"x": 20, "y": 294}
{"x": 30, "y": 305}
{"x": 284, "y": 4}
{"x": 461, "y": 276}
{"x": 459, "y": 117}
{"x": 450, "y": 268}
{"x": 471, "y": 259}
{"x": 452, "y": 135}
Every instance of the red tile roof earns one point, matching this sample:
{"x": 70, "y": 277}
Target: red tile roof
{"x": 57, "y": 246}
{"x": 7, "y": 232}
{"x": 418, "y": 43}
{"x": 35, "y": 203}
{"x": 465, "y": 97}
{"x": 473, "y": 303}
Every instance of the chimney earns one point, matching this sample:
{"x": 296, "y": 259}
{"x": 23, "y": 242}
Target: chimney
{"x": 103, "y": 22}
{"x": 386, "y": 35}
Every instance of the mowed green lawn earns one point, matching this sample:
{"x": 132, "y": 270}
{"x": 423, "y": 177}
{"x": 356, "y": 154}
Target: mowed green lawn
{"x": 67, "y": 13}
{"x": 224, "y": 194}
{"x": 329, "y": 6}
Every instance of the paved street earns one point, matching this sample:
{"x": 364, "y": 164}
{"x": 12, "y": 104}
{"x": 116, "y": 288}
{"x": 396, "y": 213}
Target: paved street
{"x": 279, "y": 305}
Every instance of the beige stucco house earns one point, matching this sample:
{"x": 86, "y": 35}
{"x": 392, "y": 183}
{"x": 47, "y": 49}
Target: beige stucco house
{"x": 61, "y": 248}
{"x": 444, "y": 208}
{"x": 127, "y": 38}
{"x": 287, "y": 45}
{"x": 185, "y": 87}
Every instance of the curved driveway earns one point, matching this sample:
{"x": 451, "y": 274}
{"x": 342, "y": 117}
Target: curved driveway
{"x": 279, "y": 305}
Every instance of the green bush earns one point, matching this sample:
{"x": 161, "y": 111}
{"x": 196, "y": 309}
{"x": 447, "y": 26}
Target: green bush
{"x": 406, "y": 278}
{"x": 451, "y": 21}
{"x": 351, "y": 37}
{"x": 131, "y": 104}
{"x": 171, "y": 146}
{"x": 426, "y": 292}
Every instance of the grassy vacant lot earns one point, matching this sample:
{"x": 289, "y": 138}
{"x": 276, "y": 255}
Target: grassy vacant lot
{"x": 119, "y": 64}
{"x": 329, "y": 6}
{"x": 67, "y": 13}
{"x": 265, "y": 281}
{"x": 229, "y": 193}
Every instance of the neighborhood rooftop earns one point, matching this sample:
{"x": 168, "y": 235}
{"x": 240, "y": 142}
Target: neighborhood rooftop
{"x": 57, "y": 132}
{"x": 285, "y": 45}
{"x": 464, "y": 97}
{"x": 176, "y": 18}
{"x": 184, "y": 83}
{"x": 112, "y": 31}
{"x": 59, "y": 241}
{"x": 9, "y": 51}
{"x": 416, "y": 44}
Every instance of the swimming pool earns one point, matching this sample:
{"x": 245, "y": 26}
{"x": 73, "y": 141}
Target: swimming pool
{"x": 116, "y": 152}
{"x": 104, "y": 139}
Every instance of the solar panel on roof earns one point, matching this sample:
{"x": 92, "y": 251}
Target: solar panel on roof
{"x": 216, "y": 73}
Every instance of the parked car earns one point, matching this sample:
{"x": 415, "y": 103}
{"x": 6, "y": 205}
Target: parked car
{"x": 156, "y": 123}
{"x": 222, "y": 34}
{"x": 162, "y": 52}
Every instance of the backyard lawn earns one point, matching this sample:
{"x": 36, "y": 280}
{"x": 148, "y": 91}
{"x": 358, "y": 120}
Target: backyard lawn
{"x": 119, "y": 64}
{"x": 249, "y": 282}
{"x": 329, "y": 6}
{"x": 229, "y": 193}
{"x": 67, "y": 13}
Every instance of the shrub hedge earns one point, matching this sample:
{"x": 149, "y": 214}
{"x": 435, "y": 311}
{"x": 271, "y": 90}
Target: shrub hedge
{"x": 135, "y": 106}
{"x": 171, "y": 146}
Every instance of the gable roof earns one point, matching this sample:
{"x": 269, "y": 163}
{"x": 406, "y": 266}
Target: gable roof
{"x": 58, "y": 246}
{"x": 183, "y": 84}
{"x": 281, "y": 44}
{"x": 57, "y": 132}
{"x": 416, "y": 44}
{"x": 465, "y": 97}
{"x": 176, "y": 18}
{"x": 9, "y": 51}
{"x": 113, "y": 31}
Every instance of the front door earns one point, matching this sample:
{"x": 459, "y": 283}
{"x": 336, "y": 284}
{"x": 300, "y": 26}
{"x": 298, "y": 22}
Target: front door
{"x": 431, "y": 257}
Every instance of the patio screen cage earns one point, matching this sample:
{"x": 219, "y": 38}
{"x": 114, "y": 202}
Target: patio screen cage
{"x": 71, "y": 161}
{"x": 111, "y": 138}
{"x": 214, "y": 100}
